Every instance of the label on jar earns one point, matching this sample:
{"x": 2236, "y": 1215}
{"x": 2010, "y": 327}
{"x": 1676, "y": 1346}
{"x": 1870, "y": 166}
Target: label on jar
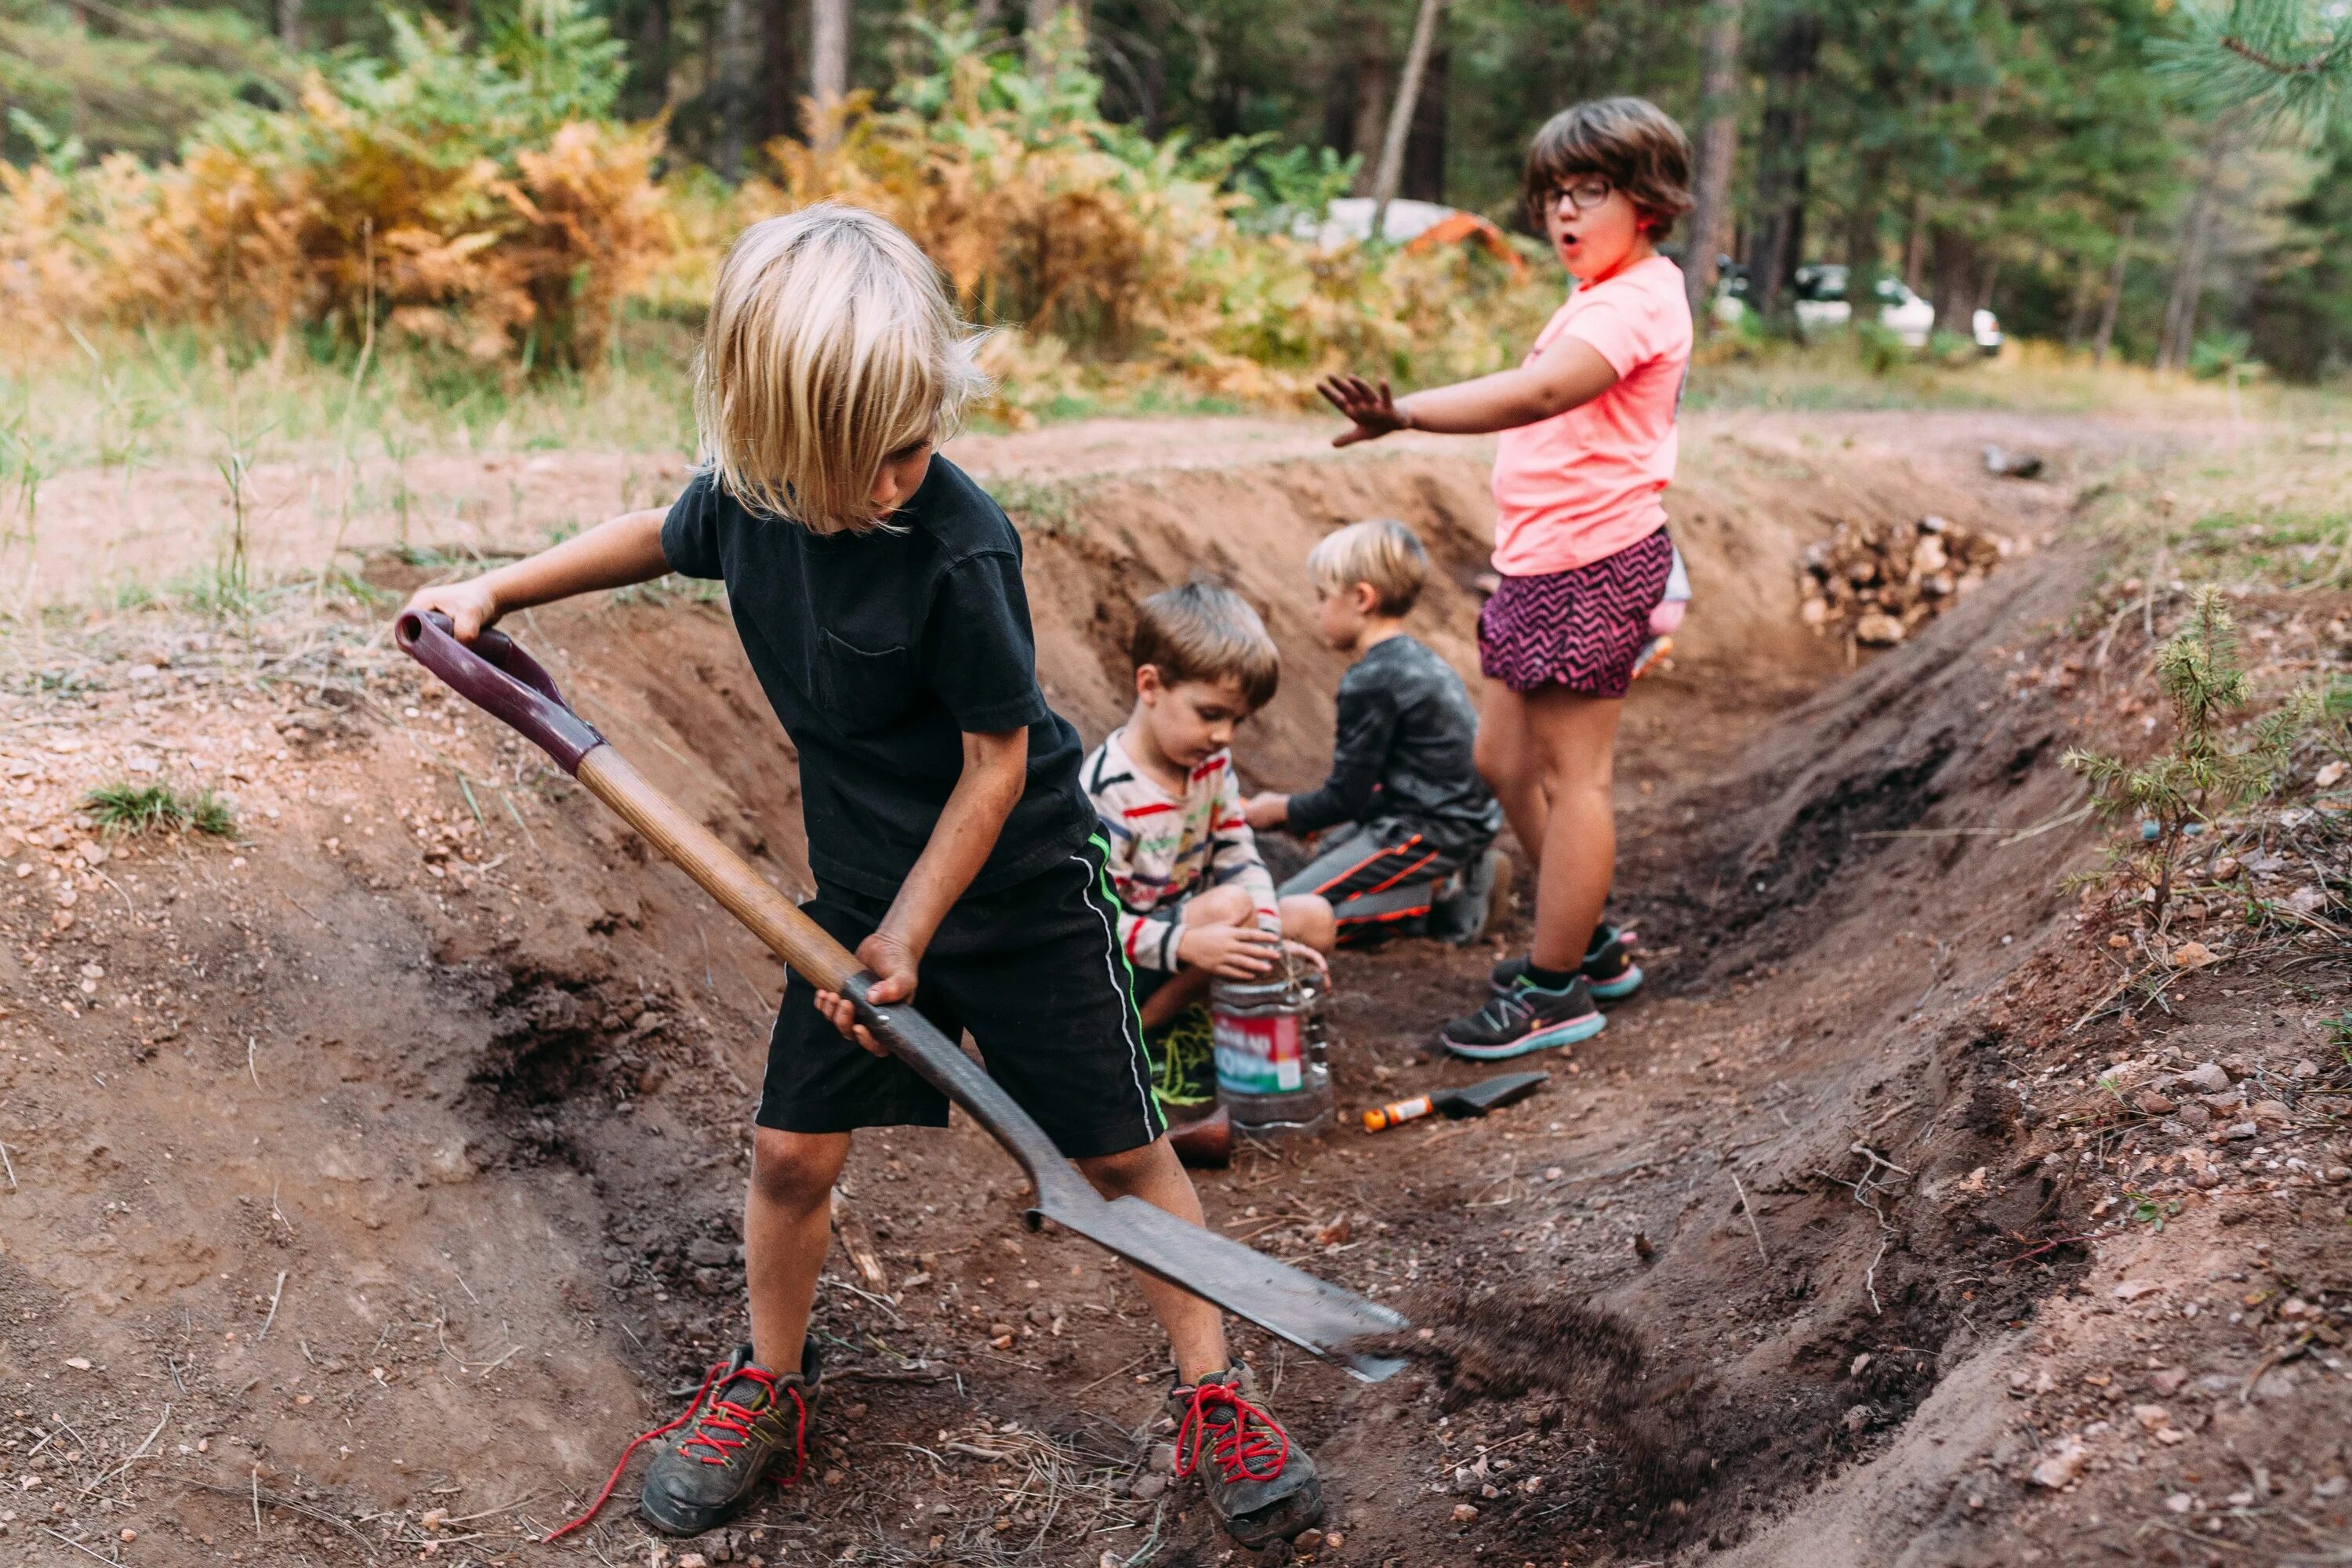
{"x": 1261, "y": 1055}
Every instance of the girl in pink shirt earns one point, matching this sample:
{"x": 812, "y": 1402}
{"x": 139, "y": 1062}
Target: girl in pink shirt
{"x": 1588, "y": 446}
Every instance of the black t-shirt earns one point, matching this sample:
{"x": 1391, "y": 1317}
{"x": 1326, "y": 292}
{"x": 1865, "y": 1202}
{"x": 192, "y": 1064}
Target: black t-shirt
{"x": 879, "y": 651}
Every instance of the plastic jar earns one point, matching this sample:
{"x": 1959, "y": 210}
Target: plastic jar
{"x": 1272, "y": 1070}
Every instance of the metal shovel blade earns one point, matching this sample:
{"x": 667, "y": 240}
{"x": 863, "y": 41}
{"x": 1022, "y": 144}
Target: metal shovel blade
{"x": 1290, "y": 1303}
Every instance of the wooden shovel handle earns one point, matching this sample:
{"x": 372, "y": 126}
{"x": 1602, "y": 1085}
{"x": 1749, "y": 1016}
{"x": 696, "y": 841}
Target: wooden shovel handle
{"x": 799, "y": 941}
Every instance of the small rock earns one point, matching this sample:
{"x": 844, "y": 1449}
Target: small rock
{"x": 2329, "y": 777}
{"x": 1144, "y": 1488}
{"x": 2193, "y": 955}
{"x": 78, "y": 1362}
{"x": 2307, "y": 899}
{"x": 2061, "y": 1464}
{"x": 833, "y": 1477}
{"x": 434, "y": 1518}
{"x": 1465, "y": 1512}
{"x": 1335, "y": 1541}
{"x": 1163, "y": 1458}
{"x": 1857, "y": 1417}
{"x": 2180, "y": 1502}
{"x": 2150, "y": 1103}
{"x": 617, "y": 1277}
{"x": 2166, "y": 1382}
{"x": 2226, "y": 869}
{"x": 1307, "y": 1540}
{"x": 2195, "y": 1117}
{"x": 2240, "y": 1131}
{"x": 127, "y": 1535}
{"x": 2339, "y": 1174}
{"x": 710, "y": 1281}
{"x": 1878, "y": 629}
{"x": 2151, "y": 1416}
{"x": 2209, "y": 1078}
{"x": 693, "y": 1560}
{"x": 709, "y": 1253}
{"x": 1860, "y": 1361}
{"x": 2133, "y": 1289}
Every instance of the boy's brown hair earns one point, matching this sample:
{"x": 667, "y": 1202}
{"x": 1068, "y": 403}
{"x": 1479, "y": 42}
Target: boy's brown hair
{"x": 1629, "y": 141}
{"x": 1204, "y": 632}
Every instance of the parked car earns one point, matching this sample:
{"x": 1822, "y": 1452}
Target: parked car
{"x": 1820, "y": 289}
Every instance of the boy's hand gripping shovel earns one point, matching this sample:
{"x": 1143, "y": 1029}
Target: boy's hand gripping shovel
{"x": 502, "y": 681}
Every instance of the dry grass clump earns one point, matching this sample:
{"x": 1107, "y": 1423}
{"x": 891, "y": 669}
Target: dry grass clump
{"x": 1116, "y": 258}
{"x": 476, "y": 201}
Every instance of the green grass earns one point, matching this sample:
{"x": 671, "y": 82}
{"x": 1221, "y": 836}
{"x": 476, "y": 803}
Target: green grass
{"x": 124, "y": 807}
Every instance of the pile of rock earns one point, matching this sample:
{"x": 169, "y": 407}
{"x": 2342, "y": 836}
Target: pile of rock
{"x": 1877, "y": 582}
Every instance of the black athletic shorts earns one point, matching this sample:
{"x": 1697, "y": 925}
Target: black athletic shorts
{"x": 1035, "y": 971}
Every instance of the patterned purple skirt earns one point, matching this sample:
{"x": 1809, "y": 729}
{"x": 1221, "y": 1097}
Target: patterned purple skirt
{"x": 1582, "y": 628}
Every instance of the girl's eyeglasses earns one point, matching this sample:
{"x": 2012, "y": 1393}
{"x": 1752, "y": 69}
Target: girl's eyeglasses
{"x": 1582, "y": 196}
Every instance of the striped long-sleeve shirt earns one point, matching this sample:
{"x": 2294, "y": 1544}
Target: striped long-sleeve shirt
{"x": 1164, "y": 848}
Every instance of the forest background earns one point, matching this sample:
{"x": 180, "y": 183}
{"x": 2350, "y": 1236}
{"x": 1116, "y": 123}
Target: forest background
{"x": 451, "y": 202}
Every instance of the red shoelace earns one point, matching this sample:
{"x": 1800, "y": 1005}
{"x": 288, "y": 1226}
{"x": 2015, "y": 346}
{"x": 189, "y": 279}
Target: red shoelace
{"x": 724, "y": 1415}
{"x": 1249, "y": 1435}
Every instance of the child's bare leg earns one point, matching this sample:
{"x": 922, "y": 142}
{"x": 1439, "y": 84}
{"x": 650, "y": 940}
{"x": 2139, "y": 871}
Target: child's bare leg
{"x": 1219, "y": 906}
{"x": 1308, "y": 919}
{"x": 1196, "y": 1331}
{"x": 1576, "y": 736}
{"x": 1511, "y": 763}
{"x": 787, "y": 1226}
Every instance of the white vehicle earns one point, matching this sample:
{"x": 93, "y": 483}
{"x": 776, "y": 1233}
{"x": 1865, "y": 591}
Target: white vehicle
{"x": 1821, "y": 302}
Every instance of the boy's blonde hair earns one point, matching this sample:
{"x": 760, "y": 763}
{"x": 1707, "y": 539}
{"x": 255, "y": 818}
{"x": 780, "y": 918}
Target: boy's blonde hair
{"x": 1380, "y": 551}
{"x": 832, "y": 343}
{"x": 1204, "y": 632}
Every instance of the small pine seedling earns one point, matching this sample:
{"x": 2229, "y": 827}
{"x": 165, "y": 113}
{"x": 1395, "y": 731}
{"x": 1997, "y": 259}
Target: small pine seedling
{"x": 147, "y": 808}
{"x": 2202, "y": 776}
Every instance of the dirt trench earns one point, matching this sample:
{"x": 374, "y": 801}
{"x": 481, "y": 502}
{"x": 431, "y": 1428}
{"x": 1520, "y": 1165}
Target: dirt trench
{"x": 399, "y": 1153}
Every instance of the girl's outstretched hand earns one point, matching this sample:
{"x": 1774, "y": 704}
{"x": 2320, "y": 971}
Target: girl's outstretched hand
{"x": 1372, "y": 409}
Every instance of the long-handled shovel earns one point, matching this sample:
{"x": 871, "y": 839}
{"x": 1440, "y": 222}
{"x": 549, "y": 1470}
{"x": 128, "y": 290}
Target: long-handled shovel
{"x": 510, "y": 684}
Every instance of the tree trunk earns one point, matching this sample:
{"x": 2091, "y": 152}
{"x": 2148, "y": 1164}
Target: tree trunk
{"x": 2078, "y": 308}
{"x": 649, "y": 70}
{"x": 1915, "y": 247}
{"x": 2189, "y": 277}
{"x": 1861, "y": 243}
{"x": 1424, "y": 145}
{"x": 1042, "y": 16}
{"x": 1717, "y": 149}
{"x": 1959, "y": 268}
{"x": 1775, "y": 240}
{"x": 290, "y": 25}
{"x": 2113, "y": 302}
{"x": 1368, "y": 76}
{"x": 730, "y": 87}
{"x": 1408, "y": 96}
{"x": 828, "y": 60}
{"x": 779, "y": 88}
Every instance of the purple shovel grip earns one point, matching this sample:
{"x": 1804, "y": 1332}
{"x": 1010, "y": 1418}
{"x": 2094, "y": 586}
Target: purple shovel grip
{"x": 503, "y": 682}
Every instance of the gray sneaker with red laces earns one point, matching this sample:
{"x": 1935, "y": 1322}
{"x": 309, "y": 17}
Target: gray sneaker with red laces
{"x": 1261, "y": 1486}
{"x": 755, "y": 1420}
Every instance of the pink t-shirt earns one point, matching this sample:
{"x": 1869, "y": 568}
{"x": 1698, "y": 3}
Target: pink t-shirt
{"x": 1584, "y": 484}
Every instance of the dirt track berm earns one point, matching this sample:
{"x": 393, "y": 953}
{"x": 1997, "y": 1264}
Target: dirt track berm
{"x": 506, "y": 683}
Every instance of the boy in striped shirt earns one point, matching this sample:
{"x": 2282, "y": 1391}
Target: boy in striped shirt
{"x": 1196, "y": 902}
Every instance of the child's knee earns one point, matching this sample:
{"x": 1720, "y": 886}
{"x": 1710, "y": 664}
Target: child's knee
{"x": 796, "y": 1170}
{"x": 1307, "y": 918}
{"x": 1126, "y": 1171}
{"x": 1230, "y": 905}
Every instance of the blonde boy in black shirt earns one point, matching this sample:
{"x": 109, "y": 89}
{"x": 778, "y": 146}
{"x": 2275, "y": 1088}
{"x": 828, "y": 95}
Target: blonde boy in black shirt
{"x": 878, "y": 591}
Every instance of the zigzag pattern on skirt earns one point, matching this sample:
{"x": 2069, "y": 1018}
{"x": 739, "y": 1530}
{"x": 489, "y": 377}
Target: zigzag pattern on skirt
{"x": 1582, "y": 628}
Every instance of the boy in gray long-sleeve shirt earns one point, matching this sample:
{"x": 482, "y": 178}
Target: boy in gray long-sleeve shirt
{"x": 1419, "y": 821}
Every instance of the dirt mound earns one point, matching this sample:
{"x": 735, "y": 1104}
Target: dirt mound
{"x": 1502, "y": 1345}
{"x": 374, "y": 1174}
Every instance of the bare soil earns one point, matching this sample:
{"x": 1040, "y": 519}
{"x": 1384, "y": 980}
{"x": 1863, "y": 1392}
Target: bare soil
{"x": 374, "y": 1176}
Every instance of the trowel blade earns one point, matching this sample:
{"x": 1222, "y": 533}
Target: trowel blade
{"x": 1477, "y": 1098}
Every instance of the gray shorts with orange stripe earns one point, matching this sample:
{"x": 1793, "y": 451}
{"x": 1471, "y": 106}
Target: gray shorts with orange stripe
{"x": 1379, "y": 876}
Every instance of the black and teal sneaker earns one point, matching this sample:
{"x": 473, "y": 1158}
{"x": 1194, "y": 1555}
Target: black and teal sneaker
{"x": 1524, "y": 1018}
{"x": 1608, "y": 967}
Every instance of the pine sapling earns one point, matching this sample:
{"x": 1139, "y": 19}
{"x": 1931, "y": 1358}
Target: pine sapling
{"x": 2202, "y": 776}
